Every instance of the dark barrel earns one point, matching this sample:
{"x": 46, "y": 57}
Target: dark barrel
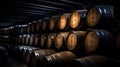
{"x": 31, "y": 39}
{"x": 36, "y": 39}
{"x": 63, "y": 21}
{"x": 28, "y": 28}
{"x": 22, "y": 52}
{"x": 20, "y": 40}
{"x": 36, "y": 58}
{"x": 17, "y": 29}
{"x": 75, "y": 40}
{"x": 61, "y": 59}
{"x": 24, "y": 29}
{"x": 27, "y": 54}
{"x": 38, "y": 26}
{"x": 60, "y": 40}
{"x": 77, "y": 19}
{"x": 17, "y": 40}
{"x": 44, "y": 25}
{"x": 91, "y": 61}
{"x": 33, "y": 27}
{"x": 27, "y": 39}
{"x": 99, "y": 41}
{"x": 100, "y": 16}
{"x": 23, "y": 39}
{"x": 43, "y": 40}
{"x": 52, "y": 24}
{"x": 50, "y": 40}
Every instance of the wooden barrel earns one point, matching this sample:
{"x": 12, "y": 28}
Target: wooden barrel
{"x": 63, "y": 21}
{"x": 17, "y": 29}
{"x": 60, "y": 40}
{"x": 20, "y": 40}
{"x": 78, "y": 19}
{"x": 24, "y": 29}
{"x": 38, "y": 26}
{"x": 28, "y": 27}
{"x": 17, "y": 40}
{"x": 75, "y": 40}
{"x": 36, "y": 39}
{"x": 23, "y": 51}
{"x": 90, "y": 61}
{"x": 99, "y": 41}
{"x": 50, "y": 40}
{"x": 100, "y": 16}
{"x": 43, "y": 40}
{"x": 36, "y": 58}
{"x": 44, "y": 24}
{"x": 31, "y": 39}
{"x": 27, "y": 39}
{"x": 28, "y": 53}
{"x": 23, "y": 39}
{"x": 33, "y": 26}
{"x": 52, "y": 25}
{"x": 61, "y": 59}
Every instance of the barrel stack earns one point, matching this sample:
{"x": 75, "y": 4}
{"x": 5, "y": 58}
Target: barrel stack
{"x": 81, "y": 38}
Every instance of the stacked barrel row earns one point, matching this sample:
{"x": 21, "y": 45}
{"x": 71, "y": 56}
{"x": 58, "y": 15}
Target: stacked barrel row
{"x": 35, "y": 57}
{"x": 66, "y": 39}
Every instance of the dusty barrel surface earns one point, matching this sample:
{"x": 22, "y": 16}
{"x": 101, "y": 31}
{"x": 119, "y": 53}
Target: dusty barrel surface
{"x": 99, "y": 41}
{"x": 59, "y": 59}
{"x": 91, "y": 61}
{"x": 75, "y": 40}
{"x": 36, "y": 58}
{"x": 77, "y": 19}
{"x": 100, "y": 16}
{"x": 60, "y": 40}
{"x": 63, "y": 21}
{"x": 50, "y": 40}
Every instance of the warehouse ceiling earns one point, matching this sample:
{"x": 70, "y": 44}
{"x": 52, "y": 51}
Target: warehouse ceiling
{"x": 14, "y": 12}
